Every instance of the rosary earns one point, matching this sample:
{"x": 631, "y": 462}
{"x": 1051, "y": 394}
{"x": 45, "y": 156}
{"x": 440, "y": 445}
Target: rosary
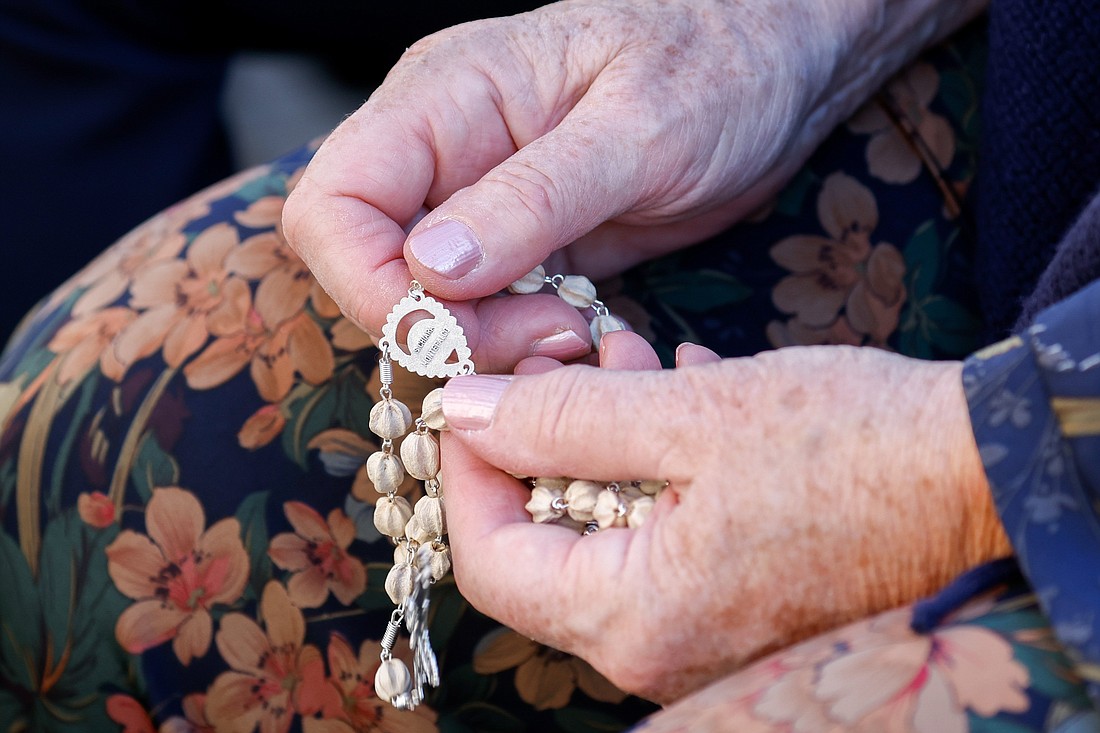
{"x": 436, "y": 347}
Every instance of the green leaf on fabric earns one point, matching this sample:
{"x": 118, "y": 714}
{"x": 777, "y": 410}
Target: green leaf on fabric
{"x": 957, "y": 93}
{"x": 75, "y": 425}
{"x": 20, "y": 641}
{"x": 258, "y": 188}
{"x": 1050, "y": 674}
{"x": 792, "y": 198}
{"x": 62, "y": 628}
{"x": 978, "y": 724}
{"x": 152, "y": 467}
{"x": 7, "y": 482}
{"x": 951, "y": 327}
{"x": 486, "y": 718}
{"x": 355, "y": 402}
{"x": 581, "y": 720}
{"x": 697, "y": 292}
{"x": 309, "y": 415}
{"x": 922, "y": 260}
{"x": 448, "y": 608}
{"x": 463, "y": 685}
{"x": 252, "y": 515}
{"x": 375, "y": 597}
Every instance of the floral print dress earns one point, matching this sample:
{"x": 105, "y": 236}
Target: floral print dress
{"x": 187, "y": 540}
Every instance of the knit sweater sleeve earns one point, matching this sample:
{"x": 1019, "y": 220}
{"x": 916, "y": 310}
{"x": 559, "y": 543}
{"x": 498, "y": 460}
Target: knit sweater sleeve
{"x": 1035, "y": 409}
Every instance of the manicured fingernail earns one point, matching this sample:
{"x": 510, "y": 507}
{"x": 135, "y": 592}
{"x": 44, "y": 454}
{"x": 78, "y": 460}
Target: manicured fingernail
{"x": 561, "y": 346}
{"x": 449, "y": 248}
{"x": 469, "y": 402}
{"x": 689, "y": 354}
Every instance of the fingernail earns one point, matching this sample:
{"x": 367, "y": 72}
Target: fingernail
{"x": 469, "y": 402}
{"x": 689, "y": 354}
{"x": 560, "y": 346}
{"x": 449, "y": 248}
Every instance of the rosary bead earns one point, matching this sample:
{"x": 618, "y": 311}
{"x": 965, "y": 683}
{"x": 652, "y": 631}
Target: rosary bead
{"x": 440, "y": 562}
{"x": 399, "y": 582}
{"x": 578, "y": 291}
{"x": 404, "y": 550}
{"x": 432, "y": 411}
{"x": 609, "y": 510}
{"x": 532, "y": 282}
{"x": 558, "y": 483}
{"x": 429, "y": 512}
{"x": 420, "y": 454}
{"x": 542, "y": 507}
{"x": 391, "y": 515}
{"x": 601, "y": 325}
{"x": 392, "y": 680}
{"x": 639, "y": 511}
{"x": 415, "y": 531}
{"x": 385, "y": 472}
{"x": 390, "y": 419}
{"x": 581, "y": 497}
{"x": 651, "y": 488}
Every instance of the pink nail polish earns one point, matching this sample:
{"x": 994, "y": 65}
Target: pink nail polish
{"x": 447, "y": 247}
{"x": 564, "y": 345}
{"x": 470, "y": 402}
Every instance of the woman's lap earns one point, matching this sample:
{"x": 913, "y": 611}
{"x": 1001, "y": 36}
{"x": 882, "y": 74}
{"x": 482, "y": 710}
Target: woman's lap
{"x": 183, "y": 429}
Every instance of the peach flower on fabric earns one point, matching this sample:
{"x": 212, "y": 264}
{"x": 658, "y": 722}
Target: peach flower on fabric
{"x": 841, "y": 271}
{"x": 184, "y": 301}
{"x": 261, "y": 427}
{"x": 86, "y": 340}
{"x": 316, "y": 553}
{"x": 284, "y": 278}
{"x": 897, "y": 679}
{"x": 355, "y": 708}
{"x": 273, "y": 675}
{"x": 890, "y": 154}
{"x": 545, "y": 677}
{"x": 273, "y": 334}
{"x": 95, "y": 509}
{"x": 176, "y": 574}
{"x": 128, "y": 712}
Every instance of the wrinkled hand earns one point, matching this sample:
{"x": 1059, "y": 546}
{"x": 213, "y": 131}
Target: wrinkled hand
{"x": 808, "y": 487}
{"x": 667, "y": 120}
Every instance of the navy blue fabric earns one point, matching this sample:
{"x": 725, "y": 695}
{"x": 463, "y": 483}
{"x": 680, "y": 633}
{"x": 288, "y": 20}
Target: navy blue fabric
{"x": 1041, "y": 144}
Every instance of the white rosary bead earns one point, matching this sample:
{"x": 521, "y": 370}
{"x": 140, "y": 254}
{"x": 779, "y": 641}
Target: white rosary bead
{"x": 391, "y": 515}
{"x": 429, "y": 512}
{"x": 610, "y": 510}
{"x": 403, "y": 550}
{"x": 558, "y": 483}
{"x": 639, "y": 511}
{"x": 581, "y": 497}
{"x": 415, "y": 531}
{"x": 440, "y": 562}
{"x": 601, "y": 325}
{"x": 545, "y": 505}
{"x": 432, "y": 410}
{"x": 385, "y": 472}
{"x": 532, "y": 282}
{"x": 390, "y": 419}
{"x": 420, "y": 454}
{"x": 577, "y": 290}
{"x": 392, "y": 680}
{"x": 399, "y": 582}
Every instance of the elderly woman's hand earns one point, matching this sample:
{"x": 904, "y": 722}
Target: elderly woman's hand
{"x": 667, "y": 120}
{"x": 808, "y": 487}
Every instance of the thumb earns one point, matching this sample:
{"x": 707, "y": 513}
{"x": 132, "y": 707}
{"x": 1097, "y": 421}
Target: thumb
{"x": 546, "y": 195}
{"x": 581, "y": 421}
